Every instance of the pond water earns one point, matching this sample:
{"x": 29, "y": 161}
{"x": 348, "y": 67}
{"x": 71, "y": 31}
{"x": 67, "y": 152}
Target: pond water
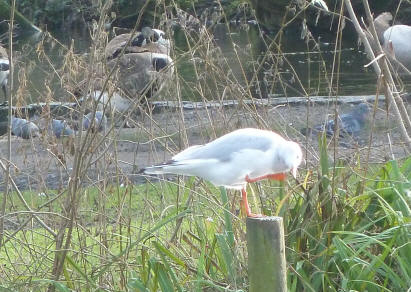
{"x": 313, "y": 68}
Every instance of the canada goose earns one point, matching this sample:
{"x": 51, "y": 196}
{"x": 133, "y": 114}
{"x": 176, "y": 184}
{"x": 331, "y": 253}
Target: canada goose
{"x": 145, "y": 67}
{"x": 143, "y": 70}
{"x": 148, "y": 40}
{"x": 4, "y": 70}
{"x": 395, "y": 39}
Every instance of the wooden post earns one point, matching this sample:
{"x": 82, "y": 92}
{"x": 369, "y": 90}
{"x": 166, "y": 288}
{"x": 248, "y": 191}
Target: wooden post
{"x": 267, "y": 269}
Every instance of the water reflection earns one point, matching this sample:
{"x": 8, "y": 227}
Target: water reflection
{"x": 294, "y": 72}
{"x": 38, "y": 62}
{"x": 294, "y": 68}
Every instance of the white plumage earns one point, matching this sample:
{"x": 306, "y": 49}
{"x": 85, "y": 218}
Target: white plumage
{"x": 233, "y": 160}
{"x": 4, "y": 70}
{"x": 398, "y": 39}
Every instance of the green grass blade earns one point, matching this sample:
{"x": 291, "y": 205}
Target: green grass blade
{"x": 163, "y": 252}
{"x": 324, "y": 165}
{"x": 59, "y": 286}
{"x": 135, "y": 284}
{"x": 163, "y": 279}
{"x": 160, "y": 224}
{"x": 227, "y": 217}
{"x": 78, "y": 269}
{"x": 200, "y": 268}
{"x": 227, "y": 255}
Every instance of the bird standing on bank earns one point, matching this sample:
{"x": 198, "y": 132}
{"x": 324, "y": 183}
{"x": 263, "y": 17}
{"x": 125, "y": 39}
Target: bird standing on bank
{"x": 395, "y": 39}
{"x": 145, "y": 65}
{"x": 235, "y": 159}
{"x": 60, "y": 129}
{"x": 350, "y": 123}
{"x": 24, "y": 128}
{"x": 99, "y": 123}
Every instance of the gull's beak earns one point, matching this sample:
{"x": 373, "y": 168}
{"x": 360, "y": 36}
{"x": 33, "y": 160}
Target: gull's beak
{"x": 294, "y": 172}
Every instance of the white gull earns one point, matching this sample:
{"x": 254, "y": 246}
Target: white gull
{"x": 235, "y": 159}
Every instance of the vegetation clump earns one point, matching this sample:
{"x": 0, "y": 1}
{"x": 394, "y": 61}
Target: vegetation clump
{"x": 76, "y": 214}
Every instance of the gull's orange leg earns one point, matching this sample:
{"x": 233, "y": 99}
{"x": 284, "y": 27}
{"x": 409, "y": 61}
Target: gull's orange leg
{"x": 244, "y": 204}
{"x": 246, "y": 207}
{"x": 275, "y": 176}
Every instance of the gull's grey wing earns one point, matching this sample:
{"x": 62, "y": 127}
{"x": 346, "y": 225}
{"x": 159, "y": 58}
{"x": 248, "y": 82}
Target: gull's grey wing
{"x": 223, "y": 147}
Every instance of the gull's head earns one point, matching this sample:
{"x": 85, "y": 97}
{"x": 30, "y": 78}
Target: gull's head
{"x": 292, "y": 156}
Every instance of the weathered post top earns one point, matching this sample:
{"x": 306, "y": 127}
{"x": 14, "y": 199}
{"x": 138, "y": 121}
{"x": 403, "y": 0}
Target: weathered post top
{"x": 267, "y": 269}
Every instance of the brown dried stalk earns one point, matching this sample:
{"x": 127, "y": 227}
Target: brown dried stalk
{"x": 381, "y": 67}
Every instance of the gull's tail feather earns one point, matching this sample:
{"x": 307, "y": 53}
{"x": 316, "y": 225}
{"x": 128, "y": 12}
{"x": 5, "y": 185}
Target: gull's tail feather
{"x": 156, "y": 169}
{"x": 186, "y": 167}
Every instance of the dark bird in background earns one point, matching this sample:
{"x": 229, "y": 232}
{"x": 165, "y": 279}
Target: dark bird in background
{"x": 4, "y": 70}
{"x": 99, "y": 123}
{"x": 144, "y": 68}
{"x": 349, "y": 124}
{"x": 24, "y": 128}
{"x": 60, "y": 129}
{"x": 53, "y": 127}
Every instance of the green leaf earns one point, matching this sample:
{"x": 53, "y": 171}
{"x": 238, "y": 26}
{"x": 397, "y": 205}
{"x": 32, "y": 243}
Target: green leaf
{"x": 171, "y": 217}
{"x": 77, "y": 268}
{"x": 164, "y": 279}
{"x": 59, "y": 286}
{"x": 136, "y": 285}
{"x": 227, "y": 254}
{"x": 227, "y": 217}
{"x": 163, "y": 251}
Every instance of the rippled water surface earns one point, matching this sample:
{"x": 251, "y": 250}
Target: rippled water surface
{"x": 313, "y": 69}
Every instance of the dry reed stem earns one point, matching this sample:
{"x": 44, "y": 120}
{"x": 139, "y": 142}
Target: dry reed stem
{"x": 72, "y": 200}
{"x": 10, "y": 103}
{"x": 157, "y": 136}
{"x": 391, "y": 92}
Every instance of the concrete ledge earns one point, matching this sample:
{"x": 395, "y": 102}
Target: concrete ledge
{"x": 67, "y": 108}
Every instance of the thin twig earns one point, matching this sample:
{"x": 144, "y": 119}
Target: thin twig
{"x": 20, "y": 195}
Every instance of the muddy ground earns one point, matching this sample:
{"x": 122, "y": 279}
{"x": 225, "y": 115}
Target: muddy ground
{"x": 45, "y": 163}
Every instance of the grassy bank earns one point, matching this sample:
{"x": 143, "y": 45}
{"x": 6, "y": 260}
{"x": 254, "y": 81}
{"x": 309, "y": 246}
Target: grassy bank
{"x": 346, "y": 217}
{"x": 345, "y": 229}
